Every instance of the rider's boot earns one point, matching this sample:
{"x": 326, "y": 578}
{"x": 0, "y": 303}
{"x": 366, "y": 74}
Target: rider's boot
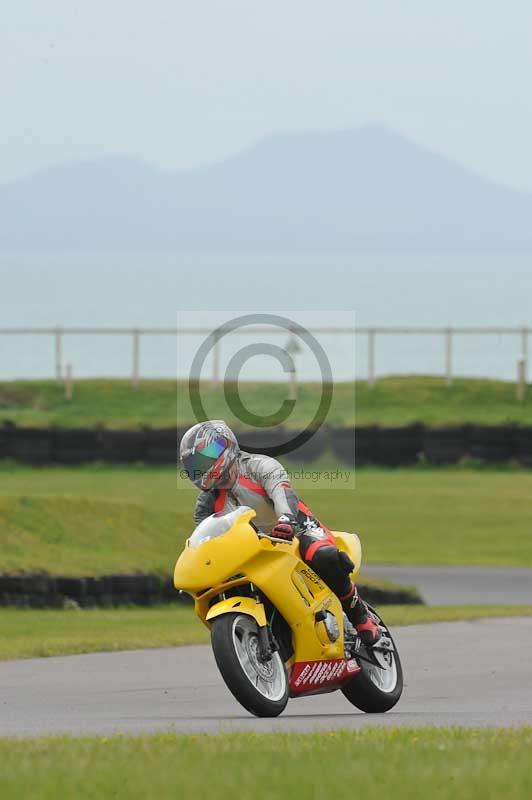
{"x": 359, "y": 616}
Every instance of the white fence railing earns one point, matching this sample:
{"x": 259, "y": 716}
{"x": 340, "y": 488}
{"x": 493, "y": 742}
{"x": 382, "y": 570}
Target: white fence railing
{"x": 370, "y": 334}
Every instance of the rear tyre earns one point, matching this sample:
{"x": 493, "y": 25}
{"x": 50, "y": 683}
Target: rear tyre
{"x": 376, "y": 689}
{"x": 261, "y": 687}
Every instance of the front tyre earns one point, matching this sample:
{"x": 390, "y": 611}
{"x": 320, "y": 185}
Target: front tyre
{"x": 261, "y": 687}
{"x": 377, "y": 688}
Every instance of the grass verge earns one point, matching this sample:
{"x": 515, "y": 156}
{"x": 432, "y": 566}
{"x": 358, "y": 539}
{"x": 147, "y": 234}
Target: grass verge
{"x": 392, "y": 401}
{"x": 441, "y": 763}
{"x": 35, "y": 633}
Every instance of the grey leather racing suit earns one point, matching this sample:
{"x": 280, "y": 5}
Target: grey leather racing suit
{"x": 264, "y": 485}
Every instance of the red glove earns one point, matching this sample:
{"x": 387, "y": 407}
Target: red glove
{"x": 284, "y": 528}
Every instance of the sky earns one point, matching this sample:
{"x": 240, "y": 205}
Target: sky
{"x": 179, "y": 84}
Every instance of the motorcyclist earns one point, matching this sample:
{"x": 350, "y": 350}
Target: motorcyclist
{"x": 229, "y": 477}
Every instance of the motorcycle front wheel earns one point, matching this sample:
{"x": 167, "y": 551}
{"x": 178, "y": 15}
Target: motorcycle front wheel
{"x": 378, "y": 686}
{"x": 260, "y": 686}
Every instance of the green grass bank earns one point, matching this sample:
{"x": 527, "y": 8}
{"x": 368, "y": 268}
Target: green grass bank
{"x": 165, "y": 403}
{"x": 98, "y": 520}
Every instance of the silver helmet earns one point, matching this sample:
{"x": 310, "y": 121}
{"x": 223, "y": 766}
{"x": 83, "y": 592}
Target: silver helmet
{"x": 209, "y": 454}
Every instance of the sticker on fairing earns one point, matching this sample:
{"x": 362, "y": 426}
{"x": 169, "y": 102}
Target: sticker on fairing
{"x": 353, "y": 665}
{"x": 307, "y": 676}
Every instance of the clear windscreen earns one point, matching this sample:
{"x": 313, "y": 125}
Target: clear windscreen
{"x": 215, "y": 525}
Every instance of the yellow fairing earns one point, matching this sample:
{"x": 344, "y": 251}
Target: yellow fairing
{"x": 350, "y": 544}
{"x": 240, "y": 557}
{"x": 242, "y": 605}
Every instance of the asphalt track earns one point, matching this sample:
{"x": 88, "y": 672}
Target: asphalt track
{"x": 461, "y": 585}
{"x": 475, "y": 673}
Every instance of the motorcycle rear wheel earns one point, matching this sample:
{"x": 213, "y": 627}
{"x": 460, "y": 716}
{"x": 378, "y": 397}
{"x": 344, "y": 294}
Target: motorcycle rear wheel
{"x": 376, "y": 690}
{"x": 261, "y": 687}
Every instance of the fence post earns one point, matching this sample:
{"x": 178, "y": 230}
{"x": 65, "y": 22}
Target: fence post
{"x": 448, "y": 357}
{"x": 371, "y": 358}
{"x": 216, "y": 361}
{"x": 68, "y": 382}
{"x": 524, "y": 351}
{"x": 58, "y": 354}
{"x": 520, "y": 386}
{"x": 136, "y": 358}
{"x": 291, "y": 348}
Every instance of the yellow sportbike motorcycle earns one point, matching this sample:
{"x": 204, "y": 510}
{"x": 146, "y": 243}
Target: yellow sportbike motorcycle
{"x": 277, "y": 630}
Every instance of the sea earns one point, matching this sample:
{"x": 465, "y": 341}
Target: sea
{"x": 199, "y": 292}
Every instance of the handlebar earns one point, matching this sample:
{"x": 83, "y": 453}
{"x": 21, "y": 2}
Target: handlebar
{"x": 272, "y": 538}
{"x": 263, "y": 535}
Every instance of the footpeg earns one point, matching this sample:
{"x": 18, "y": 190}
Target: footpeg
{"x": 384, "y": 644}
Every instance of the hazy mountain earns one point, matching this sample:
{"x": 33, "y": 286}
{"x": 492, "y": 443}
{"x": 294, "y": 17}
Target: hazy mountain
{"x": 365, "y": 189}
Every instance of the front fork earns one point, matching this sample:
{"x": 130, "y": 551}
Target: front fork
{"x": 267, "y": 644}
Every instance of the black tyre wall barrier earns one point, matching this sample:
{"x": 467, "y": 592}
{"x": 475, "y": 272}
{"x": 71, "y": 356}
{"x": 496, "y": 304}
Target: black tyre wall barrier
{"x": 495, "y": 444}
{"x": 523, "y": 446}
{"x": 344, "y": 441}
{"x": 28, "y": 445}
{"x": 446, "y": 445}
{"x": 161, "y": 445}
{"x": 258, "y": 439}
{"x": 77, "y": 446}
{"x": 396, "y": 446}
{"x": 362, "y": 445}
{"x": 122, "y": 447}
{"x": 312, "y": 449}
{"x": 40, "y": 590}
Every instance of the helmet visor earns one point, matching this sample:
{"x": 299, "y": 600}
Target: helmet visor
{"x": 200, "y": 461}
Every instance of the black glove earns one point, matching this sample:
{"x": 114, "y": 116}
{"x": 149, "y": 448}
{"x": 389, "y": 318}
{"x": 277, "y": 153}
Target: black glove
{"x": 285, "y": 527}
